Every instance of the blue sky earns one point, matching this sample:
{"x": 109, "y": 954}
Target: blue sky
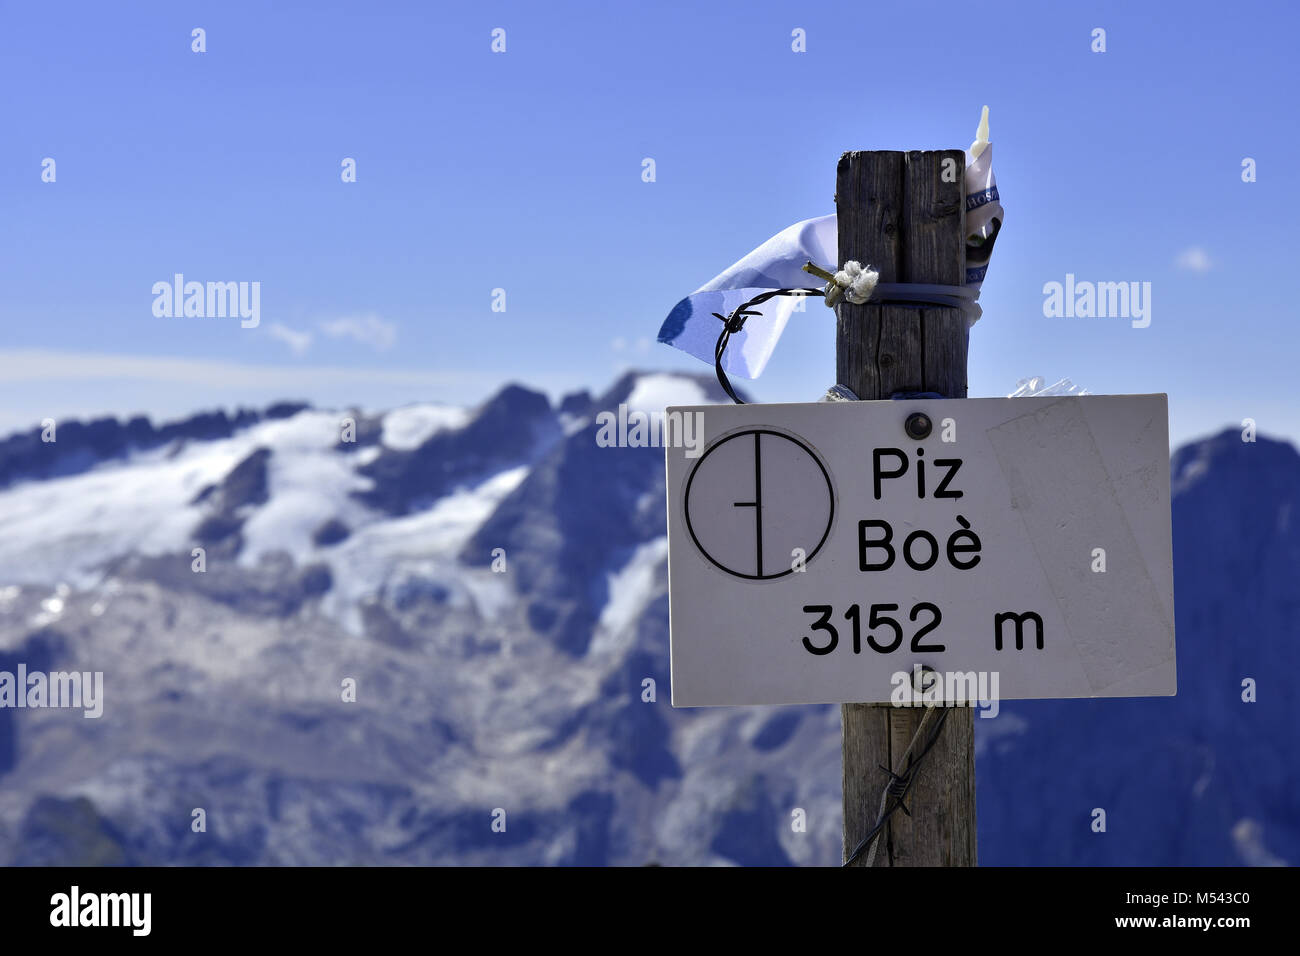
{"x": 522, "y": 170}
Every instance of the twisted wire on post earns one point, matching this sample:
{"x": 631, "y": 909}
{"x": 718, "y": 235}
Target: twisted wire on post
{"x": 735, "y": 322}
{"x": 899, "y": 785}
{"x": 856, "y": 284}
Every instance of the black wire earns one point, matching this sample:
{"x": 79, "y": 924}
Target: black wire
{"x": 735, "y": 322}
{"x": 899, "y": 786}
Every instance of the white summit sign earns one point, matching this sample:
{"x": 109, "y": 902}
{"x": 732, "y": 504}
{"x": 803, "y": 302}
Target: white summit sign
{"x": 818, "y": 550}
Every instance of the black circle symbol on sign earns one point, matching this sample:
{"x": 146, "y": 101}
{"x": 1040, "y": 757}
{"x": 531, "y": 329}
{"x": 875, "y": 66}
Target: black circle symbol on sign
{"x": 788, "y": 489}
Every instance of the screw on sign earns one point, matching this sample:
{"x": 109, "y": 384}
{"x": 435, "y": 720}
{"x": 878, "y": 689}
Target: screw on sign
{"x": 969, "y": 554}
{"x": 963, "y": 552}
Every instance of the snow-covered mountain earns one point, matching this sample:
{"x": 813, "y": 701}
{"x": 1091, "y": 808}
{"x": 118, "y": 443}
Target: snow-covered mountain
{"x": 494, "y": 582}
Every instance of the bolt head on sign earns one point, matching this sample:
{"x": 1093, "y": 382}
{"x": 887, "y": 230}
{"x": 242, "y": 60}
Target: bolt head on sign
{"x": 817, "y": 551}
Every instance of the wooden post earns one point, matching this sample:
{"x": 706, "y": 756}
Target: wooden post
{"x": 901, "y": 214}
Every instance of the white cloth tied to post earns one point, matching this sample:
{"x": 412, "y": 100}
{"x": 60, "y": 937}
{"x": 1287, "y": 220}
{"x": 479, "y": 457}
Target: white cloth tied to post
{"x": 778, "y": 264}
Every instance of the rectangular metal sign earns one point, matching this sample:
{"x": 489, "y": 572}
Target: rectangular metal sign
{"x": 828, "y": 552}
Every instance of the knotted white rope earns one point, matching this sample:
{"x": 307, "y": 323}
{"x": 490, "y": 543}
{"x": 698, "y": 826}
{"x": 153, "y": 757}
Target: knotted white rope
{"x": 858, "y": 285}
{"x": 853, "y": 282}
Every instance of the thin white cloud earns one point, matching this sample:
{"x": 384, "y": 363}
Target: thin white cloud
{"x": 298, "y": 342}
{"x": 1194, "y": 259}
{"x": 43, "y": 366}
{"x": 367, "y": 329}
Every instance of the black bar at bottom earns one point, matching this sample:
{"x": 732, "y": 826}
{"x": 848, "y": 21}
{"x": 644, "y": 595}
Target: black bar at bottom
{"x": 332, "y": 906}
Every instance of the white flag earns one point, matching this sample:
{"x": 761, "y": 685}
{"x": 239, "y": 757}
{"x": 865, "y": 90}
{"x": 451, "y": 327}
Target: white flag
{"x": 778, "y": 264}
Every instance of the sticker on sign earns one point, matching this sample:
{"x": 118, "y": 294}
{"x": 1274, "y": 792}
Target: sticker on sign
{"x": 823, "y": 552}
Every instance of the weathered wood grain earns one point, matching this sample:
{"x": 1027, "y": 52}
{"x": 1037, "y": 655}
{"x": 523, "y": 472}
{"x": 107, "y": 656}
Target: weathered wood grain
{"x": 901, "y": 215}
